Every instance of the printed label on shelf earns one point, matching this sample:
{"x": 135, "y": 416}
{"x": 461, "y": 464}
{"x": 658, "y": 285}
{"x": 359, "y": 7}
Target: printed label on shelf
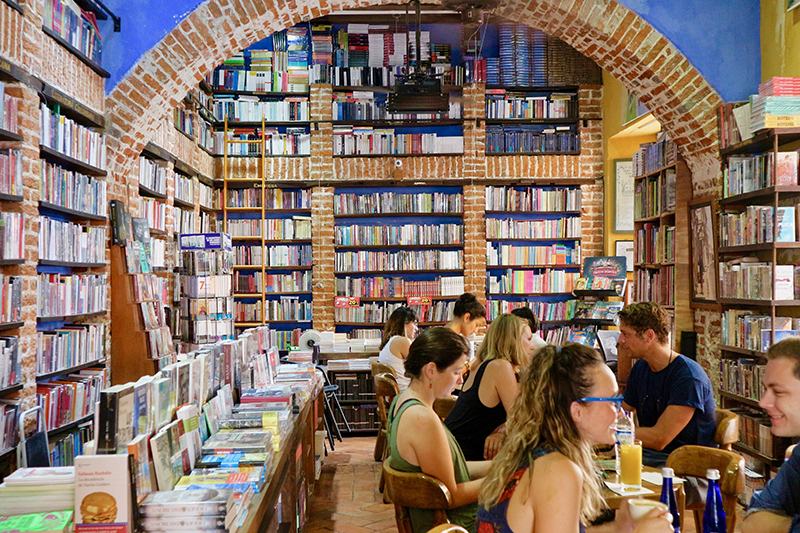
{"x": 346, "y": 301}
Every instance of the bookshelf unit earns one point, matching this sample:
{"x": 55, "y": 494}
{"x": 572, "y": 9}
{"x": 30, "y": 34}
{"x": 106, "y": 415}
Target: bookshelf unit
{"x": 357, "y": 397}
{"x": 533, "y": 251}
{"x": 662, "y": 189}
{"x": 751, "y": 312}
{"x": 393, "y": 244}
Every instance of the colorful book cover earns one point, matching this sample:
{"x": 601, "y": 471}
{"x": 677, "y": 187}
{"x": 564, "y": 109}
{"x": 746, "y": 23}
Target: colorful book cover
{"x": 52, "y": 522}
{"x": 605, "y": 267}
{"x": 200, "y": 502}
{"x": 786, "y": 168}
{"x": 786, "y": 224}
{"x": 102, "y": 494}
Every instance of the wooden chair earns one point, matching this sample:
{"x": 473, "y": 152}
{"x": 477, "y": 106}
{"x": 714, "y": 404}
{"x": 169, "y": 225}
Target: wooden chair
{"x": 727, "y": 429}
{"x": 443, "y": 406}
{"x": 695, "y": 461}
{"x": 412, "y": 490}
{"x": 448, "y": 528}
{"x": 380, "y": 368}
{"x": 385, "y": 387}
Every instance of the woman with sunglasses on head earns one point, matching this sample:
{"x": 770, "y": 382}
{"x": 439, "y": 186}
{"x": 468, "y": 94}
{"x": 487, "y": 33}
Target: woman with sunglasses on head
{"x": 399, "y": 331}
{"x": 478, "y": 416}
{"x": 543, "y": 480}
{"x": 418, "y": 440}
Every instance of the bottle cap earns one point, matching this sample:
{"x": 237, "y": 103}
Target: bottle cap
{"x": 712, "y": 473}
{"x": 667, "y": 472}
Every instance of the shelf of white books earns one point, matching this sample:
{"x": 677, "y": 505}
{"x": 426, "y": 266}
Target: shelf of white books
{"x": 243, "y": 124}
{"x": 399, "y": 123}
{"x": 432, "y": 154}
{"x": 70, "y": 162}
{"x": 766, "y": 194}
{"x": 72, "y": 425}
{"x": 49, "y": 262}
{"x": 71, "y": 212}
{"x": 70, "y": 370}
{"x": 69, "y": 318}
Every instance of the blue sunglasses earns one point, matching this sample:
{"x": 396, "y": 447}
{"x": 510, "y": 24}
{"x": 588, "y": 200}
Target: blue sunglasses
{"x": 616, "y": 399}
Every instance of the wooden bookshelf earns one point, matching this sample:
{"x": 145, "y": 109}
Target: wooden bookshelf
{"x": 6, "y": 135}
{"x": 73, "y": 214}
{"x": 77, "y": 53}
{"x": 70, "y": 162}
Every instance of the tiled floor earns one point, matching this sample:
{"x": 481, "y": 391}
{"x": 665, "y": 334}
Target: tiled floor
{"x": 346, "y": 497}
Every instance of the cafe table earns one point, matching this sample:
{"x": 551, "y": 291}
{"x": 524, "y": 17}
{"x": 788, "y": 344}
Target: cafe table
{"x": 614, "y": 500}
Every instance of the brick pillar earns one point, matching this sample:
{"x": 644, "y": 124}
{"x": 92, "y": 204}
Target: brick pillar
{"x": 323, "y": 256}
{"x": 321, "y": 165}
{"x": 474, "y": 133}
{"x": 592, "y": 222}
{"x": 475, "y": 239}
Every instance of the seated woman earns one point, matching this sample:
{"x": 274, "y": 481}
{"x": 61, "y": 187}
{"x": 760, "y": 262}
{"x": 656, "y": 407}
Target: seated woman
{"x": 491, "y": 388}
{"x": 399, "y": 331}
{"x": 419, "y": 441}
{"x": 543, "y": 480}
{"x": 468, "y": 315}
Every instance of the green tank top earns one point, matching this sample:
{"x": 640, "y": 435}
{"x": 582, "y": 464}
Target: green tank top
{"x": 422, "y": 519}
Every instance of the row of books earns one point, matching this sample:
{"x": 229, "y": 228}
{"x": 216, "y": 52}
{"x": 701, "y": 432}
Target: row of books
{"x": 774, "y": 112}
{"x": 183, "y": 221}
{"x": 213, "y": 307}
{"x": 253, "y": 282}
{"x": 73, "y": 243}
{"x": 744, "y": 174}
{"x": 407, "y": 234}
{"x": 12, "y": 241}
{"x": 273, "y": 255}
{"x": 366, "y": 140}
{"x": 184, "y": 188}
{"x": 501, "y": 103}
{"x": 525, "y": 138}
{"x": 70, "y": 138}
{"x": 68, "y": 295}
{"x": 10, "y": 299}
{"x": 193, "y": 125}
{"x": 274, "y": 199}
{"x": 285, "y": 309}
{"x": 9, "y": 432}
{"x": 249, "y": 197}
{"x": 552, "y": 228}
{"x": 206, "y": 196}
{"x": 649, "y": 285}
{"x": 537, "y": 199}
{"x": 295, "y": 228}
{"x": 752, "y": 331}
{"x": 152, "y": 315}
{"x": 653, "y": 156}
{"x": 11, "y": 171}
{"x": 206, "y": 223}
{"x": 543, "y": 281}
{"x": 64, "y": 450}
{"x": 379, "y": 312}
{"x": 269, "y": 80}
{"x": 554, "y": 254}
{"x": 74, "y": 25}
{"x": 655, "y": 195}
{"x": 743, "y": 377}
{"x": 206, "y": 286}
{"x": 755, "y": 431}
{"x": 251, "y": 109}
{"x": 204, "y": 262}
{"x": 10, "y": 365}
{"x": 397, "y": 287}
{"x": 399, "y": 260}
{"x": 153, "y": 175}
{"x": 388, "y": 202}
{"x": 71, "y": 397}
{"x": 69, "y": 346}
{"x": 69, "y": 189}
{"x": 654, "y": 243}
{"x": 545, "y": 311}
{"x": 754, "y": 225}
{"x": 295, "y": 141}
{"x": 367, "y": 105}
{"x": 9, "y": 111}
{"x": 750, "y": 278}
{"x": 202, "y": 331}
{"x": 599, "y": 310}
{"x": 155, "y": 212}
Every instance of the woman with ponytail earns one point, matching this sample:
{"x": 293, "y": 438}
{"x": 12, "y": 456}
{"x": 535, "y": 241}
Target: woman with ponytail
{"x": 543, "y": 480}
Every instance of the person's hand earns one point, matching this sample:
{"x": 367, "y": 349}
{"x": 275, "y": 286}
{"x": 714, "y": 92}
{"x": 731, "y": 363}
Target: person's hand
{"x": 656, "y": 521}
{"x": 492, "y": 445}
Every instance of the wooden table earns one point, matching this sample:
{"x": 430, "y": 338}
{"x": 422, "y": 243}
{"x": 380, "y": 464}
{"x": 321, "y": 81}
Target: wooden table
{"x": 614, "y": 500}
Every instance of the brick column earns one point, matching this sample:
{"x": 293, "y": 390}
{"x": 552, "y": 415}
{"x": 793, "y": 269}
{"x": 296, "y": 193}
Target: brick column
{"x": 323, "y": 257}
{"x": 475, "y": 239}
{"x": 474, "y": 133}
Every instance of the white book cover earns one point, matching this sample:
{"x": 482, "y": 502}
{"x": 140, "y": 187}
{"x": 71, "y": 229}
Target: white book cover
{"x": 784, "y": 282}
{"x": 102, "y": 494}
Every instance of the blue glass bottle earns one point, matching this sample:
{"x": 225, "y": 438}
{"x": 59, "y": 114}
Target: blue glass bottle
{"x": 714, "y": 515}
{"x": 668, "y": 498}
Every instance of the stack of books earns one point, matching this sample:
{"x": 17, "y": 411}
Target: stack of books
{"x": 38, "y": 490}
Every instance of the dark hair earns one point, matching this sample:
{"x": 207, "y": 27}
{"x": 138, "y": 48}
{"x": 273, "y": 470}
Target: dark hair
{"x": 647, "y": 315}
{"x": 397, "y": 323}
{"x": 441, "y": 346}
{"x": 527, "y": 314}
{"x": 468, "y": 303}
{"x": 787, "y": 349}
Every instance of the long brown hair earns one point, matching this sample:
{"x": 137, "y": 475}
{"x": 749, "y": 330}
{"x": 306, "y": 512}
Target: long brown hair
{"x": 541, "y": 416}
{"x": 504, "y": 340}
{"x": 396, "y": 325}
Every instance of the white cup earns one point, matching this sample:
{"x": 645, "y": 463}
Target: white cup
{"x": 640, "y": 507}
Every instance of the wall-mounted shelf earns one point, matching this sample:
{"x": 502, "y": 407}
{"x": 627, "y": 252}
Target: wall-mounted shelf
{"x": 70, "y": 162}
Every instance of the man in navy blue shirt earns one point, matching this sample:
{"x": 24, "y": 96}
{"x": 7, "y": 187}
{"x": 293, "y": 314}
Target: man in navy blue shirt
{"x": 777, "y": 507}
{"x": 670, "y": 393}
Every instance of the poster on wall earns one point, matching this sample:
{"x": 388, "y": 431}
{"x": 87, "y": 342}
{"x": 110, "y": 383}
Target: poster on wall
{"x": 623, "y": 195}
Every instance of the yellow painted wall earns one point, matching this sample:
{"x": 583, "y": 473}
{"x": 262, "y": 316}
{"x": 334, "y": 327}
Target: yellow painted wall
{"x": 615, "y": 99}
{"x": 780, "y": 40}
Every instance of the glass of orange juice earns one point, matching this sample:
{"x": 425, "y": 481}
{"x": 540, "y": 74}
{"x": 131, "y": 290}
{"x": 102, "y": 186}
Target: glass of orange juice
{"x": 630, "y": 465}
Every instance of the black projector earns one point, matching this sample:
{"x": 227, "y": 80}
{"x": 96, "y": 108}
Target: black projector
{"x": 417, "y": 95}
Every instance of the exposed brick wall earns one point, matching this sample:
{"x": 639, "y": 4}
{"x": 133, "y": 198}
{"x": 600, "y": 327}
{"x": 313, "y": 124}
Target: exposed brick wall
{"x": 323, "y": 256}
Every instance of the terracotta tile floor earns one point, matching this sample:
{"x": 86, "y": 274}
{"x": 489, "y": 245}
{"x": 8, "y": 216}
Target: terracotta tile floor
{"x": 346, "y": 497}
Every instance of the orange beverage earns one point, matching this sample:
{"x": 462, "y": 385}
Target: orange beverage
{"x": 631, "y": 464}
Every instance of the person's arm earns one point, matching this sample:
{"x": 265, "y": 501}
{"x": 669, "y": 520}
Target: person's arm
{"x": 764, "y": 521}
{"x": 492, "y": 443}
{"x": 656, "y": 521}
{"x": 669, "y": 424}
{"x": 499, "y": 381}
{"x": 478, "y": 469}
{"x": 400, "y": 347}
{"x": 421, "y": 430}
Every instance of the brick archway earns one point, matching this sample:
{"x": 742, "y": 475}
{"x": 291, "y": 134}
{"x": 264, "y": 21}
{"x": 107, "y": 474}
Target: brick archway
{"x": 619, "y": 40}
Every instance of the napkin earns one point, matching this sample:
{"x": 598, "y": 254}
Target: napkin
{"x": 656, "y": 479}
{"x": 617, "y": 487}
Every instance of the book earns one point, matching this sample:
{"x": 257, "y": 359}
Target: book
{"x": 38, "y": 476}
{"x": 162, "y": 460}
{"x": 51, "y": 522}
{"x": 785, "y": 220}
{"x": 116, "y": 419}
{"x": 103, "y": 494}
{"x": 235, "y": 459}
{"x": 238, "y": 441}
{"x": 120, "y": 231}
{"x": 138, "y": 448}
{"x": 200, "y": 502}
{"x": 784, "y": 282}
{"x": 786, "y": 168}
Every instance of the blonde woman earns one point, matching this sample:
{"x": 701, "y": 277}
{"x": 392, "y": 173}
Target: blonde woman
{"x": 477, "y": 418}
{"x": 543, "y": 479}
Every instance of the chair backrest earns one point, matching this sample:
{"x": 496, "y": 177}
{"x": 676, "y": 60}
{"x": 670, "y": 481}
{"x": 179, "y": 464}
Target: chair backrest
{"x": 415, "y": 490}
{"x": 727, "y": 429}
{"x": 696, "y": 460}
{"x": 448, "y": 528}
{"x": 380, "y": 368}
{"x": 385, "y": 387}
{"x": 443, "y": 406}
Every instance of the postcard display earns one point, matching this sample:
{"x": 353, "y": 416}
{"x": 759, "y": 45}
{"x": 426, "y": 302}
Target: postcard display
{"x": 206, "y": 289}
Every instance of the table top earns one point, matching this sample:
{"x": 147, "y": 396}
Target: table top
{"x": 614, "y": 500}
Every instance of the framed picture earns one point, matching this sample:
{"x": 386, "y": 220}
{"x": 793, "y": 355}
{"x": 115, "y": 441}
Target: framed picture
{"x": 702, "y": 243}
{"x": 623, "y": 195}
{"x": 625, "y": 249}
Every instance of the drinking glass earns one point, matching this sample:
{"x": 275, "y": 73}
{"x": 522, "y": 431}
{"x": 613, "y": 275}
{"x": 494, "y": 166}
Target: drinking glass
{"x": 631, "y": 465}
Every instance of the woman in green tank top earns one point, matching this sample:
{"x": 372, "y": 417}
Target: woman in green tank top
{"x": 419, "y": 441}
